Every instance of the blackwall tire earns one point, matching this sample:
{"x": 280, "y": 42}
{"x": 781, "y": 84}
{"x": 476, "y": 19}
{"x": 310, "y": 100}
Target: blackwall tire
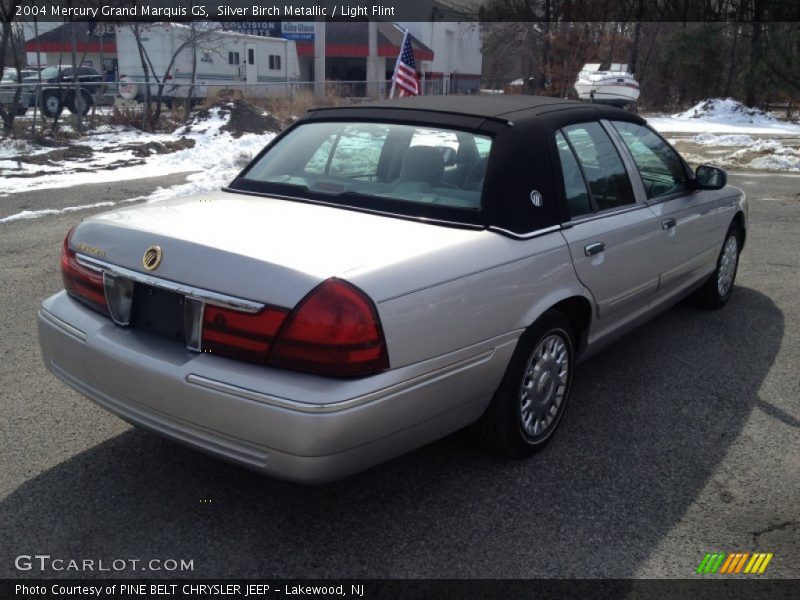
{"x": 717, "y": 289}
{"x": 51, "y": 104}
{"x": 533, "y": 395}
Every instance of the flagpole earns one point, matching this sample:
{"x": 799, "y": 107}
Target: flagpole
{"x": 397, "y": 64}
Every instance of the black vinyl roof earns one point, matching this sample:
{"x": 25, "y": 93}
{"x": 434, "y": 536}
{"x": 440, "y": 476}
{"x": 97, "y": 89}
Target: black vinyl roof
{"x": 500, "y": 107}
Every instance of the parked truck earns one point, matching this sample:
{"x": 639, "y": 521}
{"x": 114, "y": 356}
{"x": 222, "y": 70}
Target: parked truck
{"x": 258, "y": 66}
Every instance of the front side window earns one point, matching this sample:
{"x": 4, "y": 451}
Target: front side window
{"x": 358, "y": 162}
{"x": 605, "y": 173}
{"x": 659, "y": 165}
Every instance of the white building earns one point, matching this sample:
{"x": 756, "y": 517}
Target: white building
{"x": 457, "y": 58}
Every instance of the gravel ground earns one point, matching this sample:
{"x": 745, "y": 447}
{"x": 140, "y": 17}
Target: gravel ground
{"x": 681, "y": 439}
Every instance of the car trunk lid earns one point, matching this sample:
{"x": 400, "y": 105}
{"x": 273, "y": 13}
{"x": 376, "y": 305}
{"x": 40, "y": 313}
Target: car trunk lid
{"x": 263, "y": 249}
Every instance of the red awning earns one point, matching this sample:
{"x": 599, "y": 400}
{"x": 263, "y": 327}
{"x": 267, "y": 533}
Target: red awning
{"x": 66, "y": 47}
{"x": 358, "y": 51}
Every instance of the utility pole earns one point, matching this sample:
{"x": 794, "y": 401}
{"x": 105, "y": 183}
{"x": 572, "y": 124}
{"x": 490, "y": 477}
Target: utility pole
{"x": 373, "y": 78}
{"x": 319, "y": 60}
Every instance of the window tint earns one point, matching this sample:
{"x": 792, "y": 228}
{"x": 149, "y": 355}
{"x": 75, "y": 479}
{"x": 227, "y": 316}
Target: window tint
{"x": 574, "y": 184}
{"x": 420, "y": 165}
{"x": 659, "y": 165}
{"x": 353, "y": 152}
{"x": 605, "y": 173}
{"x": 483, "y": 145}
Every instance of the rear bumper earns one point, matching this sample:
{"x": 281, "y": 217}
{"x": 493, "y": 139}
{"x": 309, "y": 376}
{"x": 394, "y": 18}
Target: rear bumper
{"x": 294, "y": 426}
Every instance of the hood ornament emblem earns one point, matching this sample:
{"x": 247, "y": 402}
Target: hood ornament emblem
{"x": 152, "y": 258}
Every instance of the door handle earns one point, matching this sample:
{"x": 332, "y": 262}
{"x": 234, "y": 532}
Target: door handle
{"x": 595, "y": 248}
{"x": 667, "y": 224}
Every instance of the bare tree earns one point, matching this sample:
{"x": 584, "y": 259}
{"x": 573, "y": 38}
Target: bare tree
{"x": 77, "y": 93}
{"x": 190, "y": 94}
{"x": 191, "y": 37}
{"x": 137, "y": 35}
{"x": 9, "y": 40}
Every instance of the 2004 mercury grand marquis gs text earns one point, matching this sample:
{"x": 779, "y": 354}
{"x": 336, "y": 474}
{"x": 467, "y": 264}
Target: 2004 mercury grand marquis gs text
{"x": 384, "y": 274}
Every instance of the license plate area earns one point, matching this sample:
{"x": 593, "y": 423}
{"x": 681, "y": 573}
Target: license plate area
{"x": 159, "y": 311}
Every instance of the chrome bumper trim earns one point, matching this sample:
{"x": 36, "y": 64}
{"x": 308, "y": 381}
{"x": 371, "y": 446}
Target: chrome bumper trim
{"x": 189, "y": 291}
{"x": 248, "y": 394}
{"x": 63, "y": 325}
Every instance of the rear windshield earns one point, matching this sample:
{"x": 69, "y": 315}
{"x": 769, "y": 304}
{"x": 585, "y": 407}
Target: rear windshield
{"x": 356, "y": 163}
{"x": 51, "y": 72}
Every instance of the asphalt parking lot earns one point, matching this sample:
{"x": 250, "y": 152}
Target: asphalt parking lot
{"x": 681, "y": 439}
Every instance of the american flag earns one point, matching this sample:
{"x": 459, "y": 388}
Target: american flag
{"x": 405, "y": 78}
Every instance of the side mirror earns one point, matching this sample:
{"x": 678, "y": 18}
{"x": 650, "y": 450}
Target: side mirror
{"x": 710, "y": 178}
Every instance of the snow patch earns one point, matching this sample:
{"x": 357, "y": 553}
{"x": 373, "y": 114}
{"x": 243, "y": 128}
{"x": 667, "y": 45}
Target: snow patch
{"x": 776, "y": 162}
{"x": 709, "y": 139}
{"x": 719, "y": 115}
{"x": 726, "y": 110}
{"x": 38, "y": 214}
{"x": 216, "y": 154}
{"x": 737, "y": 150}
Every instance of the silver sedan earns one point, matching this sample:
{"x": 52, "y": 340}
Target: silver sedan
{"x": 384, "y": 274}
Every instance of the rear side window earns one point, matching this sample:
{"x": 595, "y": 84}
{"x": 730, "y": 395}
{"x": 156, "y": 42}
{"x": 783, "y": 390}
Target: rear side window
{"x": 605, "y": 173}
{"x": 659, "y": 165}
{"x": 575, "y": 189}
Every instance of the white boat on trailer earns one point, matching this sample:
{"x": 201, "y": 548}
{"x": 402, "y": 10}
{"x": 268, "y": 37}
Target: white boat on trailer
{"x": 613, "y": 86}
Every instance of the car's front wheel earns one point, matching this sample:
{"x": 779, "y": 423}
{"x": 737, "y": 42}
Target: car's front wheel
{"x": 51, "y": 103}
{"x": 718, "y": 287}
{"x": 532, "y": 397}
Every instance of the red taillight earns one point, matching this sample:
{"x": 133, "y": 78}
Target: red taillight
{"x": 334, "y": 331}
{"x": 241, "y": 335}
{"x": 82, "y": 283}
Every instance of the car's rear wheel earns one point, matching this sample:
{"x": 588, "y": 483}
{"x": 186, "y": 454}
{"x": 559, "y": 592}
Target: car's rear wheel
{"x": 51, "y": 104}
{"x": 85, "y": 103}
{"x": 718, "y": 287}
{"x": 532, "y": 397}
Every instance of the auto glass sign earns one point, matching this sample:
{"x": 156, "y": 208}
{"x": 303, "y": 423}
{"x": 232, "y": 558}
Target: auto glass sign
{"x": 298, "y": 30}
{"x": 290, "y": 30}
{"x": 263, "y": 28}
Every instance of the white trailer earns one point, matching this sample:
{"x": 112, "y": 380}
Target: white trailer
{"x": 258, "y": 66}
